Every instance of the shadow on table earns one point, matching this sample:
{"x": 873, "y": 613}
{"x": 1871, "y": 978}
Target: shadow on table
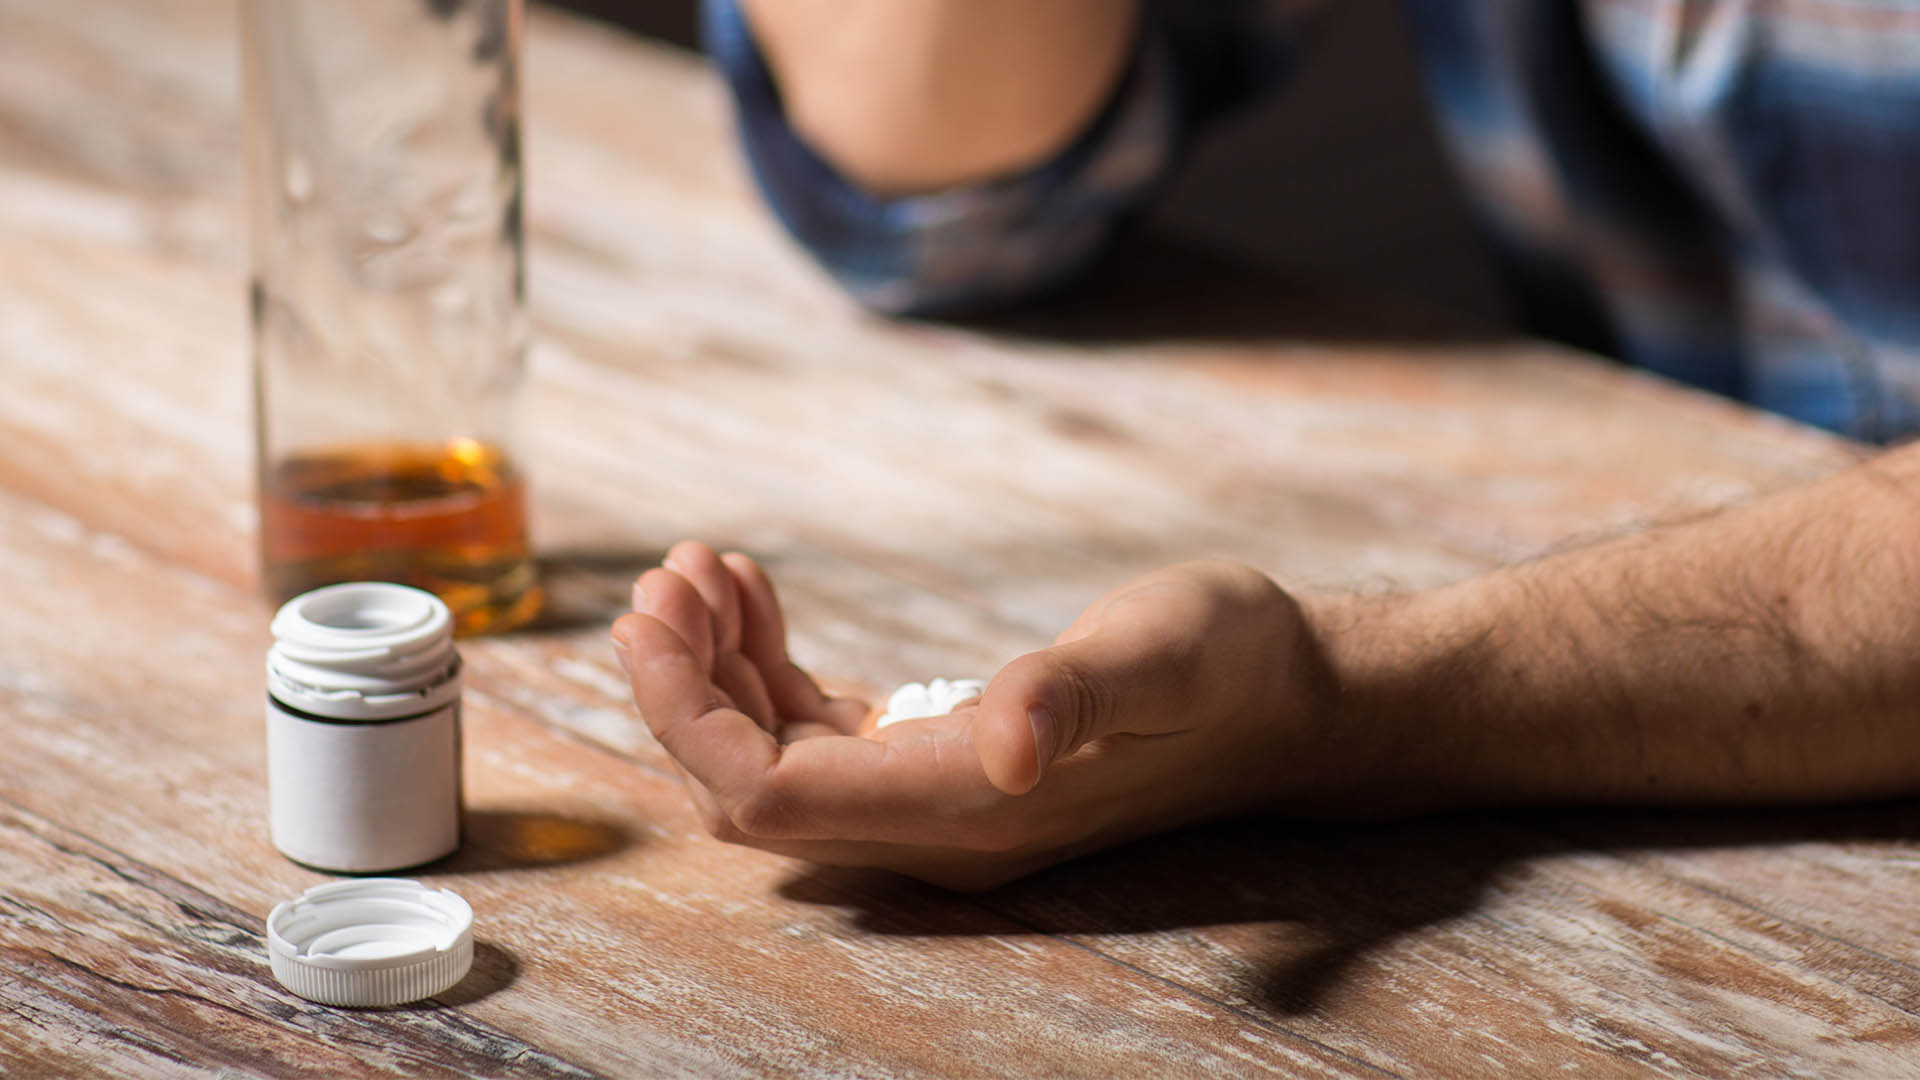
{"x": 1299, "y": 903}
{"x": 528, "y": 839}
{"x": 1151, "y": 287}
{"x": 588, "y": 588}
{"x": 494, "y": 969}
{"x": 500, "y": 839}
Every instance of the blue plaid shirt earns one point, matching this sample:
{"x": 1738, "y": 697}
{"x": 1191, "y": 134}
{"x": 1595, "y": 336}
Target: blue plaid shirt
{"x": 1722, "y": 191}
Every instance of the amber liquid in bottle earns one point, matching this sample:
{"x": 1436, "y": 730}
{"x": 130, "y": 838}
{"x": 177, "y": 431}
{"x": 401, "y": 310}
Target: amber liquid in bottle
{"x": 450, "y": 519}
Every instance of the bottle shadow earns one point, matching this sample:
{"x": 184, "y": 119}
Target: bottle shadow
{"x": 588, "y": 588}
{"x": 1295, "y": 905}
{"x": 504, "y": 839}
{"x": 494, "y": 840}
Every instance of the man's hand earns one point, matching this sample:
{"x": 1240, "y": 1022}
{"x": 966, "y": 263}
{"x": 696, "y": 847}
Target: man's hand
{"x": 1765, "y": 654}
{"x": 1193, "y": 692}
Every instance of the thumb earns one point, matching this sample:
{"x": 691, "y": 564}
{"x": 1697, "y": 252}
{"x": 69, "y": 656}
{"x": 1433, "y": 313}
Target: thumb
{"x": 1047, "y": 704}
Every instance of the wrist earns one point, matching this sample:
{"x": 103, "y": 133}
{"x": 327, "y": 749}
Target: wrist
{"x": 1400, "y": 675}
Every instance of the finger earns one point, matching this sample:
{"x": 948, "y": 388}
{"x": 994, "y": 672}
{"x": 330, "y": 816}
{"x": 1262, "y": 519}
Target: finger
{"x": 927, "y": 791}
{"x": 964, "y": 868}
{"x": 736, "y": 675}
{"x": 931, "y": 856}
{"x": 1125, "y": 676}
{"x": 804, "y": 729}
{"x": 841, "y": 788}
{"x": 763, "y": 628}
{"x": 704, "y": 804}
{"x": 673, "y": 600}
{"x": 844, "y": 716}
{"x": 697, "y": 563}
{"x": 719, "y": 746}
{"x": 960, "y": 718}
{"x": 763, "y": 639}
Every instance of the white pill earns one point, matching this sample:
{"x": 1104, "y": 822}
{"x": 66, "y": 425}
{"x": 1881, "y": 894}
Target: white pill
{"x": 946, "y": 694}
{"x": 914, "y": 701}
{"x": 910, "y": 702}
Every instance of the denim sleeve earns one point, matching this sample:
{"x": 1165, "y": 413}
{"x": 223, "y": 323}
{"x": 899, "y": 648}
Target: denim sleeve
{"x": 978, "y": 245}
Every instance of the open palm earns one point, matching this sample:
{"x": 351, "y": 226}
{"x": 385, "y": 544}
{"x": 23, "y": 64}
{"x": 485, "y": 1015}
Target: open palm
{"x": 1156, "y": 708}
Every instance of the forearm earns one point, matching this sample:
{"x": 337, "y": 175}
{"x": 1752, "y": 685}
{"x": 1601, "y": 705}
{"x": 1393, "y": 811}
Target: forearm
{"x": 1768, "y": 653}
{"x": 917, "y": 95}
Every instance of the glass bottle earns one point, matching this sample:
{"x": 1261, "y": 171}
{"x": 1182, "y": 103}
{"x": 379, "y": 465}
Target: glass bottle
{"x": 387, "y": 298}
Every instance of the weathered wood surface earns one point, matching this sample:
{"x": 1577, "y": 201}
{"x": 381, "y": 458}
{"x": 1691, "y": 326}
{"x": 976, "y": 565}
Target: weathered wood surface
{"x": 934, "y": 501}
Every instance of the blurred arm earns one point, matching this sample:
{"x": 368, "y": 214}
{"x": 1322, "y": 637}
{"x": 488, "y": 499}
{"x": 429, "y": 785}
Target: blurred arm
{"x": 918, "y": 95}
{"x": 939, "y": 158}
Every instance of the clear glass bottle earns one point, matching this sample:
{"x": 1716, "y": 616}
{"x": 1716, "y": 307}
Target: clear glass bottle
{"x": 387, "y": 298}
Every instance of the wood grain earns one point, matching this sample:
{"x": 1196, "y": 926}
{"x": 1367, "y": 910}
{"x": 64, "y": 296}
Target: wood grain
{"x": 933, "y": 499}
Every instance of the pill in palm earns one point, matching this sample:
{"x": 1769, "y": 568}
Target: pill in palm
{"x": 937, "y": 698}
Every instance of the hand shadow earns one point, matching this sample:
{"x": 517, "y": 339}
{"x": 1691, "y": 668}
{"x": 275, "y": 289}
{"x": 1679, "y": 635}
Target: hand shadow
{"x": 1328, "y": 894}
{"x": 1297, "y": 903}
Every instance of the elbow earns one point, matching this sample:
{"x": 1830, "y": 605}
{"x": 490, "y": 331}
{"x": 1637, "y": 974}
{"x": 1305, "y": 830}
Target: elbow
{"x": 947, "y": 254}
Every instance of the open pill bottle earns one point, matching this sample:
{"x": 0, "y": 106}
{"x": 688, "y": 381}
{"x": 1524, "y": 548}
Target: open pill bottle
{"x": 363, "y": 729}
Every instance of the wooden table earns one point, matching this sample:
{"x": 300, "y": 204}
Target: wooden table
{"x": 934, "y": 500}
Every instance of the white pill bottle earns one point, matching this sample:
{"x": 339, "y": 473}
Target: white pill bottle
{"x": 363, "y": 729}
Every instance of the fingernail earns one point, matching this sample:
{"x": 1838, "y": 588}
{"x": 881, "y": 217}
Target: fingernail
{"x": 639, "y": 598}
{"x": 673, "y": 566}
{"x": 621, "y": 654}
{"x": 1040, "y": 718}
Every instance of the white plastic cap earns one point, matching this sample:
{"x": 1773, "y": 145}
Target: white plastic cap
{"x": 370, "y": 942}
{"x": 363, "y": 650}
